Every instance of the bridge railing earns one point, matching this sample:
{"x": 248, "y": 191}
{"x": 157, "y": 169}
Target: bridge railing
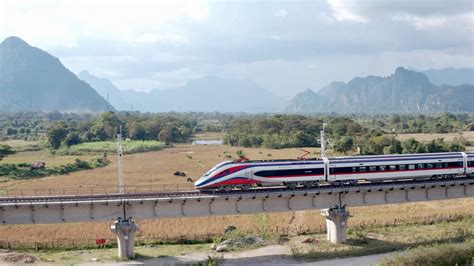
{"x": 94, "y": 190}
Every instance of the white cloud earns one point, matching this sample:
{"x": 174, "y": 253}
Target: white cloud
{"x": 63, "y": 23}
{"x": 421, "y": 23}
{"x": 312, "y": 66}
{"x": 460, "y": 21}
{"x": 343, "y": 12}
{"x": 283, "y": 46}
{"x": 171, "y": 38}
{"x": 274, "y": 37}
{"x": 282, "y": 13}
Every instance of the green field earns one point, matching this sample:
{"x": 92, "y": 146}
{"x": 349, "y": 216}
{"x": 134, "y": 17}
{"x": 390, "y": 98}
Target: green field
{"x": 129, "y": 146}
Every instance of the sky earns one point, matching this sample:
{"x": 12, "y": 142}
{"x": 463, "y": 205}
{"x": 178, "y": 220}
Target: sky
{"x": 283, "y": 46}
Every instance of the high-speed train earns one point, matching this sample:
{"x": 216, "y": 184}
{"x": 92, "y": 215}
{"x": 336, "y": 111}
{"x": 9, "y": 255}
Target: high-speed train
{"x": 247, "y": 174}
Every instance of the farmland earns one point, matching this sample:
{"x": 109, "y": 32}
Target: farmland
{"x": 153, "y": 169}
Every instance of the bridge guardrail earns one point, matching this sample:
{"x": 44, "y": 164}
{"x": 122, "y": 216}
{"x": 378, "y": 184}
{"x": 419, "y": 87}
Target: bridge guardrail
{"x": 93, "y": 190}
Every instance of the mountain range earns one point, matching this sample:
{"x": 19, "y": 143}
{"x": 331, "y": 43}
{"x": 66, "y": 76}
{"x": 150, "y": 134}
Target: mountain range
{"x": 32, "y": 79}
{"x": 450, "y": 76}
{"x": 405, "y": 91}
{"x": 206, "y": 94}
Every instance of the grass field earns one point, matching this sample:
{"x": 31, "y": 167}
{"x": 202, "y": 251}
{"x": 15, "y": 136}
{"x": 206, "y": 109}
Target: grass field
{"x": 43, "y": 156}
{"x": 129, "y": 146}
{"x": 157, "y": 168}
{"x": 468, "y": 135}
{"x": 19, "y": 143}
{"x": 442, "y": 239}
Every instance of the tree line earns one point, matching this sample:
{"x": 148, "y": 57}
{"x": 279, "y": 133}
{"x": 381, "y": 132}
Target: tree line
{"x": 375, "y": 134}
{"x": 345, "y": 134}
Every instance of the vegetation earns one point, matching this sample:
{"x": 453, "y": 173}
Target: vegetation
{"x": 129, "y": 146}
{"x": 372, "y": 134}
{"x": 283, "y": 131}
{"x": 438, "y": 254}
{"x": 5, "y": 150}
{"x": 457, "y": 235}
{"x": 443, "y": 123}
{"x": 26, "y": 171}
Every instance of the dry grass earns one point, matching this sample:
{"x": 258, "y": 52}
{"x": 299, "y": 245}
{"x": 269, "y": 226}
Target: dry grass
{"x": 43, "y": 156}
{"x": 154, "y": 168}
{"x": 209, "y": 136}
{"x": 18, "y": 143}
{"x": 469, "y": 135}
{"x": 145, "y": 169}
{"x": 383, "y": 239}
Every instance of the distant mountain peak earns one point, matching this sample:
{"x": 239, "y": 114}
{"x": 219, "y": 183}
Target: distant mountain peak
{"x": 411, "y": 77}
{"x": 405, "y": 91}
{"x": 14, "y": 41}
{"x": 84, "y": 73}
{"x": 308, "y": 91}
{"x": 34, "y": 80}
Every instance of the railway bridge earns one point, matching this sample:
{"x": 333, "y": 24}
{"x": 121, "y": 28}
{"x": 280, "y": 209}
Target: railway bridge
{"x": 123, "y": 209}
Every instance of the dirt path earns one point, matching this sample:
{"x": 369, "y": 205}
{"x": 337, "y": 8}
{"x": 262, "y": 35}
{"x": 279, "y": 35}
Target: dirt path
{"x": 268, "y": 255}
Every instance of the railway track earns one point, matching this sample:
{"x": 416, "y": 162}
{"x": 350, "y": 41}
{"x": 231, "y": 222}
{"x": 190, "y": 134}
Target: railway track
{"x": 406, "y": 184}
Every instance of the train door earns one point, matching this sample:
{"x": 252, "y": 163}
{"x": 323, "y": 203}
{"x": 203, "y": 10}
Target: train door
{"x": 249, "y": 174}
{"x": 332, "y": 172}
{"x": 465, "y": 159}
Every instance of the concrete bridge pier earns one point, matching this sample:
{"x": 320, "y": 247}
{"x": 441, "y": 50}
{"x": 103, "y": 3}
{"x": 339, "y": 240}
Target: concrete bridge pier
{"x": 125, "y": 231}
{"x": 336, "y": 224}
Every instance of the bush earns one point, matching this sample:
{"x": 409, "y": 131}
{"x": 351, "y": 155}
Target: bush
{"x": 23, "y": 171}
{"x": 440, "y": 254}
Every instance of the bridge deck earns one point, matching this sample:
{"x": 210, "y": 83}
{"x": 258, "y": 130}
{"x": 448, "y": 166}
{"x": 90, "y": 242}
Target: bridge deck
{"x": 109, "y": 207}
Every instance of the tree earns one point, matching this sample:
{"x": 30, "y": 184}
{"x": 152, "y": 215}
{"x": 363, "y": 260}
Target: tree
{"x": 382, "y": 145}
{"x": 411, "y": 145}
{"x": 109, "y": 123}
{"x": 344, "y": 144}
{"x": 5, "y": 150}
{"x": 165, "y": 135}
{"x": 72, "y": 138}
{"x": 56, "y": 134}
{"x": 137, "y": 131}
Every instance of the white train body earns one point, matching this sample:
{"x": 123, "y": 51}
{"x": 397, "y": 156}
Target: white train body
{"x": 312, "y": 172}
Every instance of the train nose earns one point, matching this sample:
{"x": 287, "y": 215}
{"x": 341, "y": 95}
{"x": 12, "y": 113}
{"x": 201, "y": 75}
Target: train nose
{"x": 199, "y": 182}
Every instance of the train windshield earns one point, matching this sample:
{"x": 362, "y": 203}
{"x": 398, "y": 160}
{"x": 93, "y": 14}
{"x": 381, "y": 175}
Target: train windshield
{"x": 216, "y": 167}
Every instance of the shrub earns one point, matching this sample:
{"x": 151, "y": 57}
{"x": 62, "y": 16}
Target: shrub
{"x": 440, "y": 254}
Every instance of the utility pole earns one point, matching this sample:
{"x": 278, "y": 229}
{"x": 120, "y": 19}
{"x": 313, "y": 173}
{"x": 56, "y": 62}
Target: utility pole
{"x": 323, "y": 142}
{"x": 119, "y": 162}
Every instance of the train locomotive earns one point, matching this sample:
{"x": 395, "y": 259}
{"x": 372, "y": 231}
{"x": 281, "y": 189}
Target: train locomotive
{"x": 248, "y": 174}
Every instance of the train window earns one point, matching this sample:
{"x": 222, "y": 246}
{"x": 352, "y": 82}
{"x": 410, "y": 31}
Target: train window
{"x": 470, "y": 163}
{"x": 382, "y": 168}
{"x": 372, "y": 168}
{"x": 411, "y": 167}
{"x": 354, "y": 169}
{"x": 362, "y": 169}
{"x": 393, "y": 167}
{"x": 402, "y": 167}
{"x": 454, "y": 164}
{"x": 439, "y": 165}
{"x": 429, "y": 165}
{"x": 420, "y": 166}
{"x": 343, "y": 170}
